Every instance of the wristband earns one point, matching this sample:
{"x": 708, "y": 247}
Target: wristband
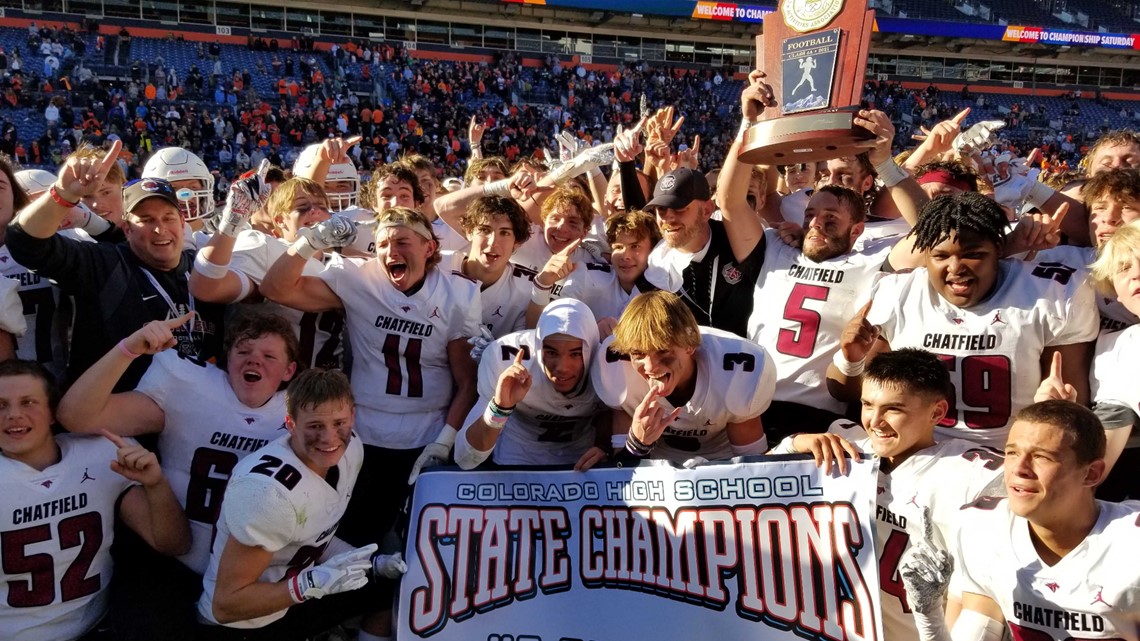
{"x": 303, "y": 248}
{"x": 498, "y": 188}
{"x": 59, "y": 199}
{"x": 617, "y": 442}
{"x": 1038, "y": 194}
{"x": 890, "y": 172}
{"x": 126, "y": 352}
{"x": 635, "y": 447}
{"x": 745, "y": 125}
{"x": 213, "y": 271}
{"x": 595, "y": 172}
{"x": 476, "y": 146}
{"x": 496, "y": 417}
{"x": 540, "y": 295}
{"x": 846, "y": 367}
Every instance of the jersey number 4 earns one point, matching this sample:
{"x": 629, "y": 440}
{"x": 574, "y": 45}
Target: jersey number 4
{"x": 801, "y": 343}
{"x": 983, "y": 381}
{"x": 84, "y": 531}
{"x": 411, "y": 359}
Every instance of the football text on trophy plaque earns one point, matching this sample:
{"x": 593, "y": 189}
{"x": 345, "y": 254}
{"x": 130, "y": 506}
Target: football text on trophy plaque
{"x": 815, "y": 55}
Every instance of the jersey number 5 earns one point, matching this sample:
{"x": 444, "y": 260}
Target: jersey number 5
{"x": 801, "y": 343}
{"x": 84, "y": 530}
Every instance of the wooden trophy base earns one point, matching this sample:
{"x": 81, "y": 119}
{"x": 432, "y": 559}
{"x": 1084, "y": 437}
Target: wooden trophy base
{"x": 809, "y": 137}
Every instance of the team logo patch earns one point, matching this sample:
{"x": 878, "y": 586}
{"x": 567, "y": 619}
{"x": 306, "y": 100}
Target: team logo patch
{"x": 152, "y": 185}
{"x": 1052, "y": 585}
{"x": 731, "y": 274}
{"x": 668, "y": 182}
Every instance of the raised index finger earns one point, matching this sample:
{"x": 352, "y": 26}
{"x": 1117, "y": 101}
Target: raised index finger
{"x": 863, "y": 311}
{"x": 519, "y": 359}
{"x": 569, "y": 249}
{"x": 114, "y": 438}
{"x": 109, "y": 160}
{"x": 1062, "y": 211}
{"x": 175, "y": 323}
{"x": 961, "y": 116}
{"x": 1055, "y": 369}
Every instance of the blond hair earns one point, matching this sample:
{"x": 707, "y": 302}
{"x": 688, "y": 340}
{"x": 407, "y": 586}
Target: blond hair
{"x": 280, "y": 201}
{"x": 1118, "y": 253}
{"x": 412, "y": 219}
{"x": 87, "y": 151}
{"x": 655, "y": 321}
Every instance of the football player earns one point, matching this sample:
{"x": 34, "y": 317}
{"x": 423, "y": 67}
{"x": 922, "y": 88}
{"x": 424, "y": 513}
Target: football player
{"x": 192, "y": 182}
{"x": 200, "y": 444}
{"x": 265, "y": 560}
{"x": 494, "y": 228}
{"x": 58, "y": 504}
{"x": 232, "y": 265}
{"x": 920, "y": 481}
{"x": 536, "y": 405}
{"x": 1050, "y": 561}
{"x": 979, "y": 313}
{"x": 607, "y": 289}
{"x": 680, "y": 391}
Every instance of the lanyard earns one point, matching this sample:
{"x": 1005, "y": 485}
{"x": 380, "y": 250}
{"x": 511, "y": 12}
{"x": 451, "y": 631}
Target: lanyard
{"x": 165, "y": 296}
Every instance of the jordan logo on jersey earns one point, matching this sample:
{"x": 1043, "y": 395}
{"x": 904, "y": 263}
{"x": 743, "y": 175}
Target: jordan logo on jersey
{"x": 997, "y": 319}
{"x": 913, "y": 500}
{"x": 86, "y": 477}
{"x": 498, "y": 311}
{"x": 435, "y": 313}
{"x": 1100, "y": 598}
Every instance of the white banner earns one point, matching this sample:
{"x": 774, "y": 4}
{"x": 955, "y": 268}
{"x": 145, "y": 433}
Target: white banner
{"x": 759, "y": 550}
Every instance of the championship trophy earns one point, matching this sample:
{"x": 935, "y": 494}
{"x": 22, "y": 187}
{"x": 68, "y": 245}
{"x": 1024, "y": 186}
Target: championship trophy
{"x": 815, "y": 55}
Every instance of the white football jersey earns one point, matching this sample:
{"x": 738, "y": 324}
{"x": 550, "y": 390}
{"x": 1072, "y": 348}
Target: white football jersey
{"x": 320, "y": 335}
{"x": 277, "y": 503}
{"x": 735, "y": 382}
{"x": 534, "y": 253}
{"x": 596, "y": 285}
{"x": 449, "y": 239}
{"x": 1113, "y": 315}
{"x": 12, "y": 308}
{"x": 1030, "y": 309}
{"x": 1113, "y": 366}
{"x": 45, "y": 328}
{"x": 1093, "y": 592}
{"x": 505, "y": 301}
{"x": 547, "y": 427}
{"x": 943, "y": 478}
{"x": 400, "y": 372}
{"x": 806, "y": 306}
{"x": 56, "y": 528}
{"x": 207, "y": 431}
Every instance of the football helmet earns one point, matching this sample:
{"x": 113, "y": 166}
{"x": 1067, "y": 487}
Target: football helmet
{"x": 175, "y": 164}
{"x": 342, "y": 183}
{"x": 35, "y": 181}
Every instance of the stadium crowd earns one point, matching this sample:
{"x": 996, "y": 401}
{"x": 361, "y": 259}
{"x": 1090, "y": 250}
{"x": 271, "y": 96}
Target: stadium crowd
{"x": 959, "y": 306}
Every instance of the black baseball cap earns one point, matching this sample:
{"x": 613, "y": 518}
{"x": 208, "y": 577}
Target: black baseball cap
{"x": 139, "y": 190}
{"x": 678, "y": 188}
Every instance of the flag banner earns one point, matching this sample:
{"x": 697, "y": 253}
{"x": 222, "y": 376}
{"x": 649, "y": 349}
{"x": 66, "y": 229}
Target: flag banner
{"x": 762, "y": 549}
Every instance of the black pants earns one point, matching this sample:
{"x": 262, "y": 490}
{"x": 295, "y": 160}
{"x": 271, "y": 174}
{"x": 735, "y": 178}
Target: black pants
{"x": 152, "y": 596}
{"x": 375, "y": 510}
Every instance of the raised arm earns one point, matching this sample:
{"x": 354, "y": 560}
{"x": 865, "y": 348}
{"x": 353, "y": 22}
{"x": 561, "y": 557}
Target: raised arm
{"x": 740, "y": 220}
{"x": 212, "y": 280}
{"x": 78, "y": 178}
{"x": 902, "y": 196}
{"x": 285, "y": 283}
{"x": 89, "y": 407}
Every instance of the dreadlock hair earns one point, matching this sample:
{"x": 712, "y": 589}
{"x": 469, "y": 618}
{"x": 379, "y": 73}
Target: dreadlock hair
{"x": 948, "y": 216}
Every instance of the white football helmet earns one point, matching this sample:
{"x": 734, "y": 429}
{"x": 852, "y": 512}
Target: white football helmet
{"x": 342, "y": 183}
{"x": 34, "y": 181}
{"x": 174, "y": 164}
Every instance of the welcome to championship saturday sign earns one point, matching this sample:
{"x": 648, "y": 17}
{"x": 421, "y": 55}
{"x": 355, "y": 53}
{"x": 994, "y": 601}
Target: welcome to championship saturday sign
{"x": 772, "y": 549}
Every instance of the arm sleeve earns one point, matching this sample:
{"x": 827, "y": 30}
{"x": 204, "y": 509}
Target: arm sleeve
{"x": 258, "y": 513}
{"x": 11, "y": 308}
{"x": 1079, "y": 319}
{"x": 69, "y": 262}
{"x": 631, "y": 193}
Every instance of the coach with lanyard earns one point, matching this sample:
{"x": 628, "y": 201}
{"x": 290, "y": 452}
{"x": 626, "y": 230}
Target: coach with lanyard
{"x": 117, "y": 287}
